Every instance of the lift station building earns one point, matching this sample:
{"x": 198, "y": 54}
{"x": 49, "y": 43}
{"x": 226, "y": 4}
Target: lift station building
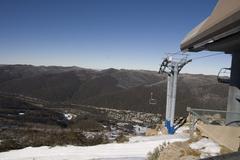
{"x": 221, "y": 32}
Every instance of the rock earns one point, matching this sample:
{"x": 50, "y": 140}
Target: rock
{"x": 178, "y": 150}
{"x": 151, "y": 132}
{"x": 190, "y": 157}
{"x": 164, "y": 131}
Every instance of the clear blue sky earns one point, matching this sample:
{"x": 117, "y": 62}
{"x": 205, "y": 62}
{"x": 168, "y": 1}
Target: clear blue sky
{"x": 131, "y": 34}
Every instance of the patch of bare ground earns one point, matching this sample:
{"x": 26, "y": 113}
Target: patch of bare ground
{"x": 17, "y": 139}
{"x": 179, "y": 151}
{"x": 225, "y": 150}
{"x": 174, "y": 151}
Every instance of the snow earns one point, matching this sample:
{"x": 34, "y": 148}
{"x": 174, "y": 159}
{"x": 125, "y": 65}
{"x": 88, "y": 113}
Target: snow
{"x": 122, "y": 124}
{"x": 137, "y": 121}
{"x": 104, "y": 126}
{"x": 139, "y": 129}
{"x": 162, "y": 138}
{"x": 207, "y": 147}
{"x": 21, "y": 113}
{"x": 90, "y": 135}
{"x": 69, "y": 116}
{"x": 182, "y": 129}
{"x": 136, "y": 149}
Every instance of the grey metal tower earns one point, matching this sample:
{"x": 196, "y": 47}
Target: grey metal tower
{"x": 172, "y": 67}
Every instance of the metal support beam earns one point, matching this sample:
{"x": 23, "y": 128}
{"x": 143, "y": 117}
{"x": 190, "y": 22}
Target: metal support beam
{"x": 234, "y": 90}
{"x": 172, "y": 68}
{"x": 173, "y": 98}
{"x": 168, "y": 102}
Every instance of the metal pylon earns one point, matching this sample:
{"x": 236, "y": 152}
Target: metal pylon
{"x": 172, "y": 68}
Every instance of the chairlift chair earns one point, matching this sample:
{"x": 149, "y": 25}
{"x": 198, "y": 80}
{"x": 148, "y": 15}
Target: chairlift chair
{"x": 224, "y": 75}
{"x": 152, "y": 101}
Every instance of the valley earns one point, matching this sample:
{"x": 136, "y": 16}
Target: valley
{"x": 76, "y": 106}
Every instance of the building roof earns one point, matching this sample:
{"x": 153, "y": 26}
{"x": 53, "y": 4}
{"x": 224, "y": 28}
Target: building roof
{"x": 218, "y": 32}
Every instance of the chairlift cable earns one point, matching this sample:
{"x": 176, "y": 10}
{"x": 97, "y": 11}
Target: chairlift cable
{"x": 174, "y": 53}
{"x": 196, "y": 58}
{"x": 207, "y": 56}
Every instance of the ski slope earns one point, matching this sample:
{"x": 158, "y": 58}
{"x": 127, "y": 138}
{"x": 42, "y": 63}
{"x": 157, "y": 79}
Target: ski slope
{"x": 136, "y": 149}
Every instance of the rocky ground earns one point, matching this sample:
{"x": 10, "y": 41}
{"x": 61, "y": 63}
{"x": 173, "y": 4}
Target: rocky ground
{"x": 167, "y": 147}
{"x": 29, "y": 122}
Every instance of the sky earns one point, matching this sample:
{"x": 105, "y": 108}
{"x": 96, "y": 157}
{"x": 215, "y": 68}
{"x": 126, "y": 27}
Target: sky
{"x": 100, "y": 34}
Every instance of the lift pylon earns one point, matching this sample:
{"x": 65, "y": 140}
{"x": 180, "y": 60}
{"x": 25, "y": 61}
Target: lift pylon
{"x": 171, "y": 67}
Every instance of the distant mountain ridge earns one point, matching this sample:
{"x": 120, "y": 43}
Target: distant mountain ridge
{"x": 111, "y": 88}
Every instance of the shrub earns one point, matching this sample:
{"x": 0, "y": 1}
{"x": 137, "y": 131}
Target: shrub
{"x": 156, "y": 153}
{"x": 122, "y": 138}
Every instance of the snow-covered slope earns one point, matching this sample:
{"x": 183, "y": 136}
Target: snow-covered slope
{"x": 136, "y": 149}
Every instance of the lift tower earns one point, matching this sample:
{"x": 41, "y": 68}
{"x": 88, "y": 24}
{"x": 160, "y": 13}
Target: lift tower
{"x": 171, "y": 67}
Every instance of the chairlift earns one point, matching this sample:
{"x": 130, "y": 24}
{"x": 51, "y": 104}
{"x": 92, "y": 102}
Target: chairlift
{"x": 152, "y": 101}
{"x": 224, "y": 75}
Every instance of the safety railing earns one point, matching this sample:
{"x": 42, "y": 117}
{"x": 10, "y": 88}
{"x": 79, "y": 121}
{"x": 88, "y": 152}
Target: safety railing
{"x": 214, "y": 117}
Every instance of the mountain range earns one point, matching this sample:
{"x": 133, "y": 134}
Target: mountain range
{"x": 112, "y": 88}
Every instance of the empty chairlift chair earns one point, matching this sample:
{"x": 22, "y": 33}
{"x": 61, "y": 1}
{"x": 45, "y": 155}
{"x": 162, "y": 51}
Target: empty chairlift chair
{"x": 224, "y": 75}
{"x": 152, "y": 101}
